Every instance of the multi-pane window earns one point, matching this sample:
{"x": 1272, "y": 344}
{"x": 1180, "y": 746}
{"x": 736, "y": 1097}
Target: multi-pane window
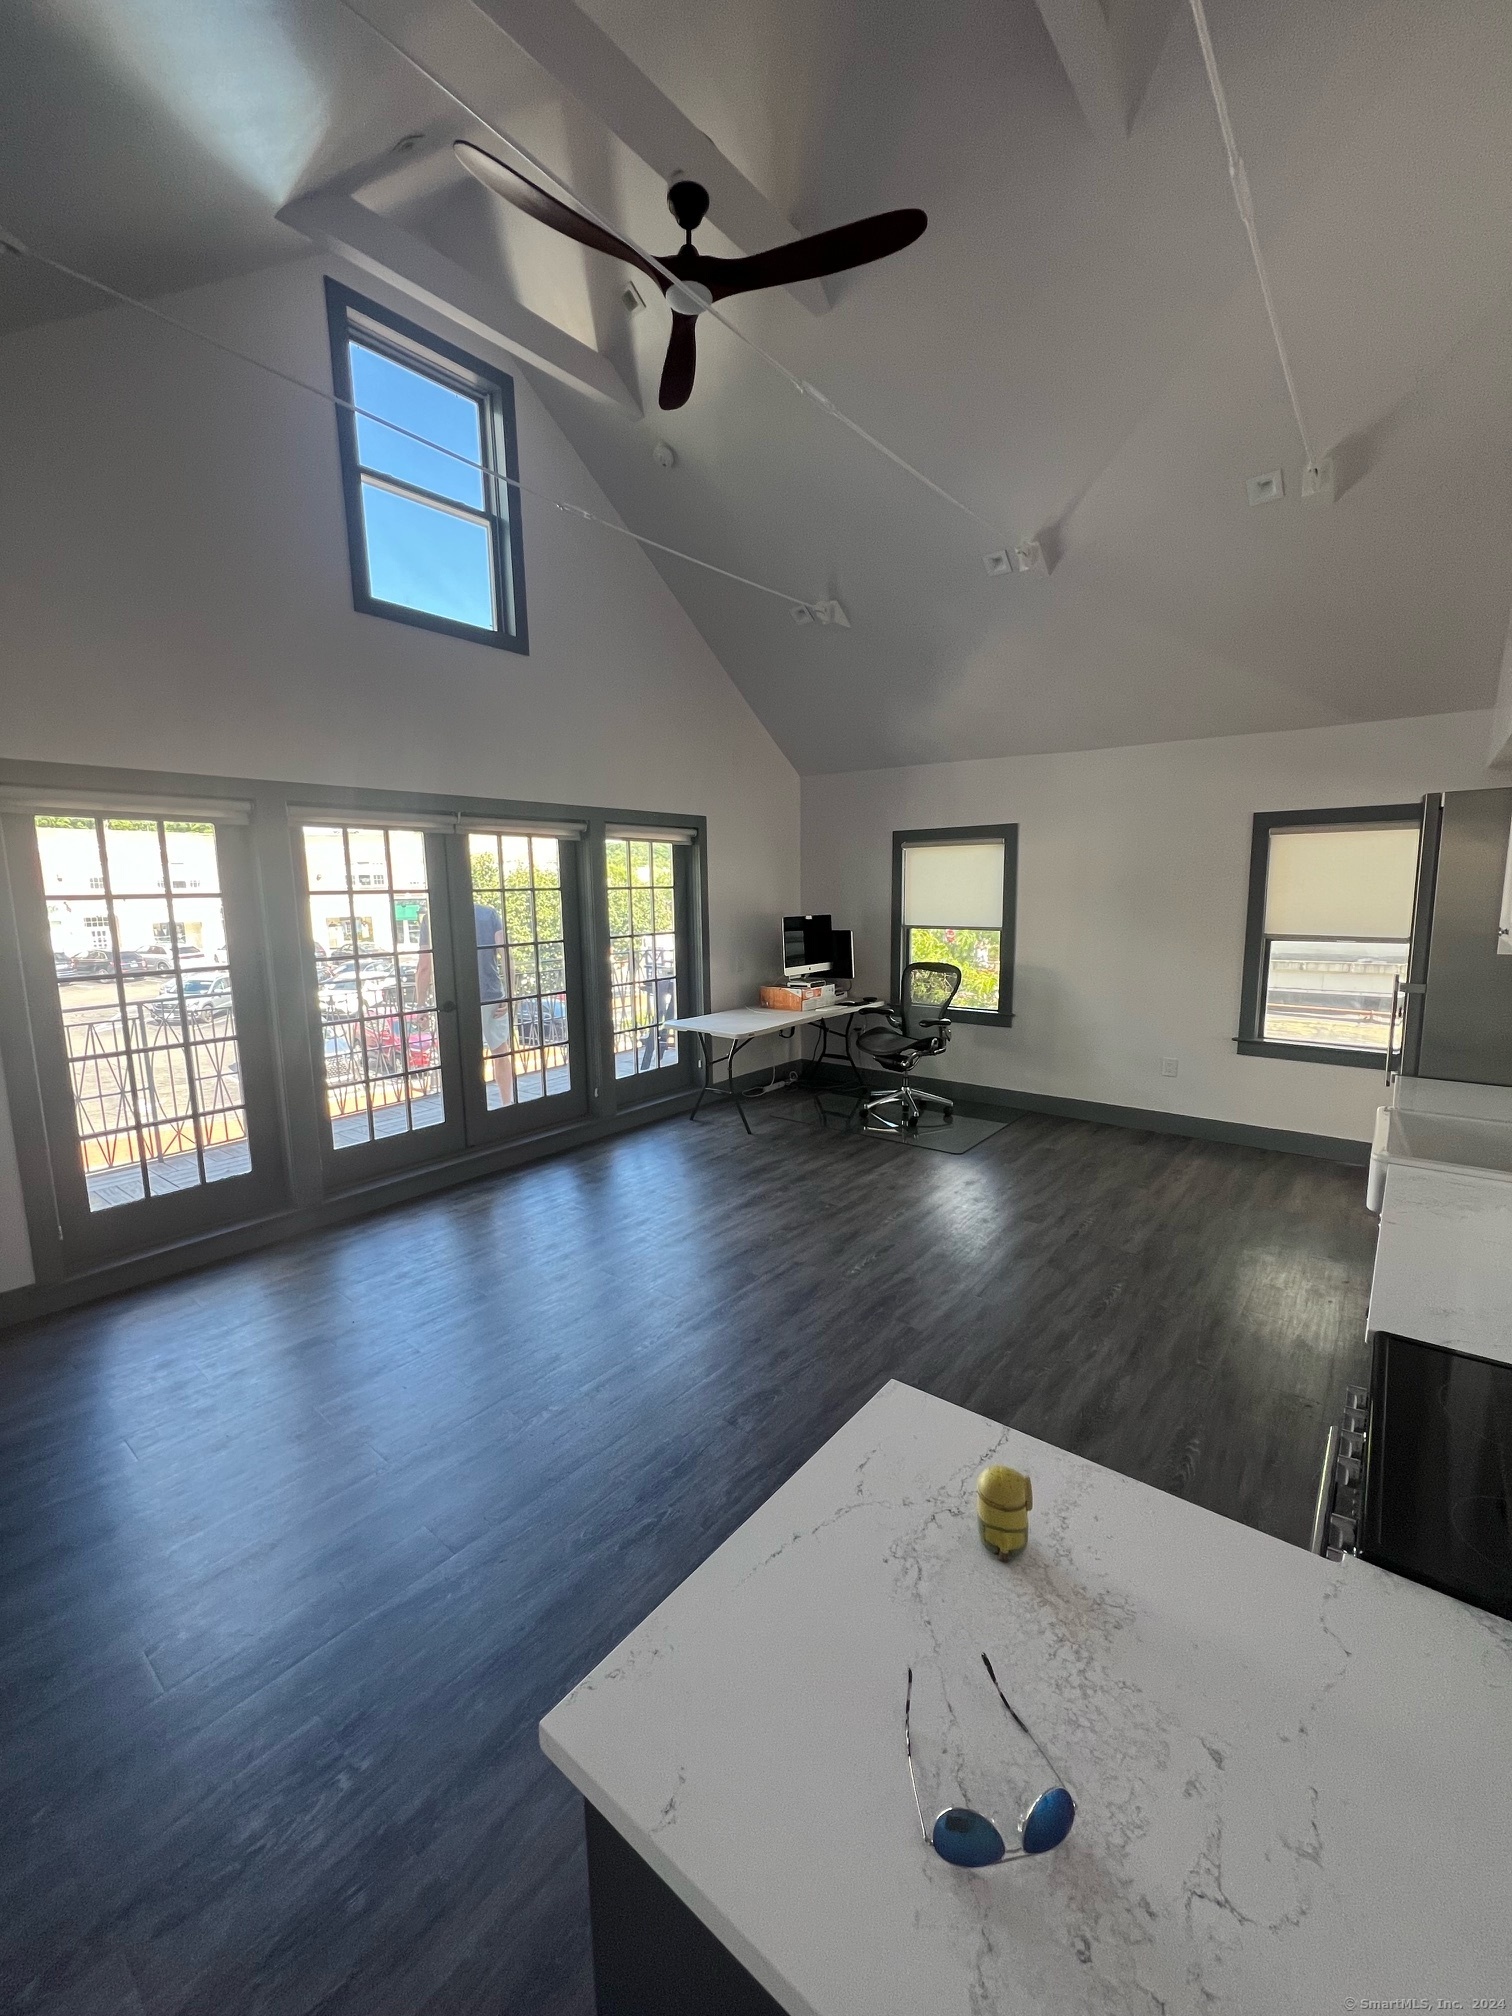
{"x": 643, "y": 977}
{"x": 519, "y": 937}
{"x": 955, "y": 907}
{"x": 149, "y": 1021}
{"x": 369, "y": 926}
{"x": 427, "y": 442}
{"x": 1331, "y": 952}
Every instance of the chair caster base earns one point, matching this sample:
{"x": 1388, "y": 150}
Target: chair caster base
{"x": 911, "y": 1105}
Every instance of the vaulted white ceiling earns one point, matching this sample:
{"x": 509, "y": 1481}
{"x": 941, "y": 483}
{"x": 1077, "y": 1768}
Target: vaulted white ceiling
{"x": 1077, "y": 348}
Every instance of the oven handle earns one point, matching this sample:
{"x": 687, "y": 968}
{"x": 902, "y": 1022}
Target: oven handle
{"x": 1320, "y": 1512}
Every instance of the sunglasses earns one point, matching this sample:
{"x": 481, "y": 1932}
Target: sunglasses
{"x": 969, "y": 1839}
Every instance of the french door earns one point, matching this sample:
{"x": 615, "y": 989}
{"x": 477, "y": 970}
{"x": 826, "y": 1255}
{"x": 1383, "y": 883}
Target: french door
{"x": 382, "y": 1006}
{"x": 463, "y": 981}
{"x": 518, "y": 935}
{"x": 149, "y": 1017}
{"x": 443, "y": 982}
{"x": 648, "y": 895}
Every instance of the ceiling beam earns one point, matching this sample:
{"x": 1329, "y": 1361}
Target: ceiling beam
{"x": 1084, "y": 43}
{"x": 578, "y": 55}
{"x": 340, "y": 224}
{"x": 1108, "y": 53}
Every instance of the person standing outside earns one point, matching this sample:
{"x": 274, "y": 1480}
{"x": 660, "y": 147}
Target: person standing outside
{"x": 493, "y": 995}
{"x": 493, "y": 955}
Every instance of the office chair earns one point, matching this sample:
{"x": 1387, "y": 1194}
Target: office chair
{"x": 917, "y": 1027}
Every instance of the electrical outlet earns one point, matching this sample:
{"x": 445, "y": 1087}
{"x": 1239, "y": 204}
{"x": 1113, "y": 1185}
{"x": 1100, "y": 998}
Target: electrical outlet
{"x": 1168, "y": 1067}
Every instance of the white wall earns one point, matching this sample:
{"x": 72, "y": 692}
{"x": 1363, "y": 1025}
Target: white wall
{"x": 175, "y": 594}
{"x": 1133, "y": 880}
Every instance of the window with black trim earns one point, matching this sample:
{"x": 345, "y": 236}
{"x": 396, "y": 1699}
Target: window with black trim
{"x": 954, "y": 897}
{"x": 1330, "y": 921}
{"x": 427, "y": 450}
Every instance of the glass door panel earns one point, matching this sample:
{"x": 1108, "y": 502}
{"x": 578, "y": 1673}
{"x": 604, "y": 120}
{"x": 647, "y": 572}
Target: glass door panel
{"x": 149, "y": 1101}
{"x": 387, "y": 1044}
{"x": 526, "y": 1066}
{"x": 647, "y": 885}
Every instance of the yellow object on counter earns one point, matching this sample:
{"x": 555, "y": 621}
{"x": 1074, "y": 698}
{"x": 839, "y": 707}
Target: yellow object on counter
{"x": 1004, "y": 1499}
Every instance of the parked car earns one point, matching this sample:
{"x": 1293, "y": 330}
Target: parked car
{"x": 528, "y": 1023}
{"x": 84, "y": 966}
{"x": 341, "y": 995}
{"x": 99, "y": 965}
{"x": 204, "y": 995}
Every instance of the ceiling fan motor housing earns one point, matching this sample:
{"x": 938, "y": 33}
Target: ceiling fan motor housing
{"x": 689, "y": 204}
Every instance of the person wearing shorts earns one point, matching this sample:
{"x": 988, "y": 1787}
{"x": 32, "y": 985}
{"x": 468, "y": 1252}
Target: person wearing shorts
{"x": 488, "y": 935}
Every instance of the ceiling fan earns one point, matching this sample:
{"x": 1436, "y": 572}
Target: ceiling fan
{"x": 701, "y": 279}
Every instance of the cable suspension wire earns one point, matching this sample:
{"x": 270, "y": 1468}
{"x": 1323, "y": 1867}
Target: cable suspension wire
{"x": 8, "y": 240}
{"x": 799, "y": 385}
{"x": 1241, "y": 188}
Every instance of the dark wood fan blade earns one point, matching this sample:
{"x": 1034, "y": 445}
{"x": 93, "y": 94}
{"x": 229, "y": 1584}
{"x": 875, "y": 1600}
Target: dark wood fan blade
{"x": 812, "y": 258}
{"x": 682, "y": 356}
{"x": 519, "y": 190}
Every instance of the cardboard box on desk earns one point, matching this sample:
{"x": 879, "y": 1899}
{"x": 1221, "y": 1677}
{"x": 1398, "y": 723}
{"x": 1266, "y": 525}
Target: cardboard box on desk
{"x": 797, "y": 998}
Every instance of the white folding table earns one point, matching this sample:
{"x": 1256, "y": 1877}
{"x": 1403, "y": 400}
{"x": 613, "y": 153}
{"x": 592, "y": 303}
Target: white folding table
{"x": 740, "y": 1026}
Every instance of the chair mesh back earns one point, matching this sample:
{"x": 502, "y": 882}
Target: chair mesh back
{"x": 928, "y": 990}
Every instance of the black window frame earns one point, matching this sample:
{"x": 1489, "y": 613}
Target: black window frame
{"x": 933, "y": 836}
{"x": 1251, "y": 1041}
{"x": 419, "y": 350}
{"x": 273, "y": 974}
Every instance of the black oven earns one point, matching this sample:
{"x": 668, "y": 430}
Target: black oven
{"x": 1419, "y": 1472}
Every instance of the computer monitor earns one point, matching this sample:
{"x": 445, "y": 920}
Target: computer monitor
{"x": 807, "y": 947}
{"x": 842, "y": 958}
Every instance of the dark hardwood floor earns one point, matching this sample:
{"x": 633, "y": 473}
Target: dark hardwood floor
{"x": 296, "y": 1551}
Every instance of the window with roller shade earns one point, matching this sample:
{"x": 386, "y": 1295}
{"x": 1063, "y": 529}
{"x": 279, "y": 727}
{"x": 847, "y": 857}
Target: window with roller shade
{"x": 954, "y": 892}
{"x": 1330, "y": 920}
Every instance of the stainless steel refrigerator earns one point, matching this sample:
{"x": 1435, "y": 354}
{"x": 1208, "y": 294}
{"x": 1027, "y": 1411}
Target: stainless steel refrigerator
{"x": 1458, "y": 1019}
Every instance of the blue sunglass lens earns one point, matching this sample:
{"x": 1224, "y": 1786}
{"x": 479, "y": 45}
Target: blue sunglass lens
{"x": 967, "y": 1839}
{"x": 1049, "y": 1821}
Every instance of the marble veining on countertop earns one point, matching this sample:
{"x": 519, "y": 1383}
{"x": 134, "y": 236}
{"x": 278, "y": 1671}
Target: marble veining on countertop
{"x": 1294, "y": 1778}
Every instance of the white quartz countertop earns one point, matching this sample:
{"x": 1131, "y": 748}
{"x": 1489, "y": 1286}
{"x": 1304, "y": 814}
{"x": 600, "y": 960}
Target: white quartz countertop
{"x": 1294, "y": 1777}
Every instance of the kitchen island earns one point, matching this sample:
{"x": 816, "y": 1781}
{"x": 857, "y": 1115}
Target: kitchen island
{"x": 1294, "y": 1777}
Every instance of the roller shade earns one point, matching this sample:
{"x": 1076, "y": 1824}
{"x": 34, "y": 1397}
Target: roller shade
{"x": 107, "y": 804}
{"x": 1341, "y": 882}
{"x": 364, "y": 819}
{"x": 676, "y": 836}
{"x": 542, "y": 829}
{"x": 954, "y": 883}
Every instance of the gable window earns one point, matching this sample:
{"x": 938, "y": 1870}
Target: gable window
{"x": 954, "y": 895}
{"x": 1330, "y": 919}
{"x": 427, "y": 443}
